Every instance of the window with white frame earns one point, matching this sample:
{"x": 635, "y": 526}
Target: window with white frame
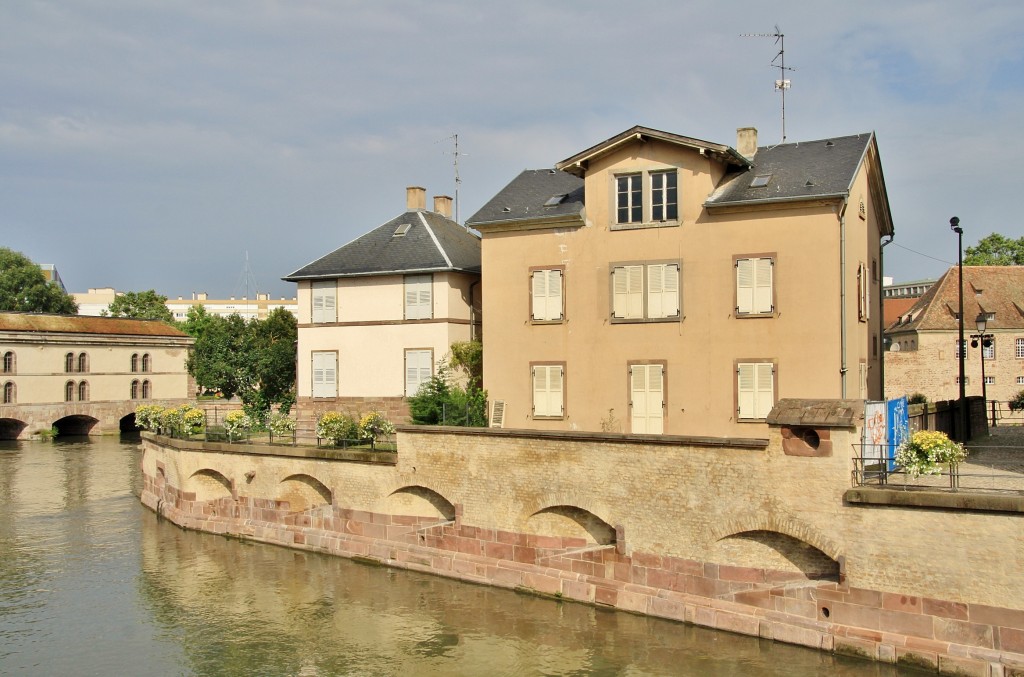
{"x": 647, "y": 398}
{"x": 10, "y": 393}
{"x": 1020, "y": 380}
{"x": 419, "y": 367}
{"x": 990, "y": 380}
{"x": 546, "y": 296}
{"x": 325, "y": 301}
{"x": 1020, "y": 348}
{"x": 419, "y": 304}
{"x": 646, "y": 291}
{"x": 629, "y": 204}
{"x": 664, "y": 196}
{"x": 548, "y": 390}
{"x": 988, "y": 352}
{"x": 967, "y": 380}
{"x": 10, "y": 362}
{"x": 755, "y": 389}
{"x": 755, "y": 286}
{"x": 325, "y": 373}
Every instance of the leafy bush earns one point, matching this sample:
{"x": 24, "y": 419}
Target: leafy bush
{"x": 441, "y": 402}
{"x": 1017, "y": 403}
{"x": 926, "y": 450}
{"x": 375, "y": 426}
{"x": 281, "y": 425}
{"x": 147, "y": 416}
{"x": 236, "y": 423}
{"x": 181, "y": 421}
{"x": 917, "y": 398}
{"x": 337, "y": 427}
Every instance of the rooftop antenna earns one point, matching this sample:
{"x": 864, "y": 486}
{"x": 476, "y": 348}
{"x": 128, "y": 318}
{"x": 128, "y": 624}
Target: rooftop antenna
{"x": 455, "y": 153}
{"x": 246, "y": 278}
{"x": 782, "y": 84}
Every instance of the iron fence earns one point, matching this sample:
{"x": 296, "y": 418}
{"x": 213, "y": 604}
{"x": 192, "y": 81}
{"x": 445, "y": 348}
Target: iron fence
{"x": 987, "y": 469}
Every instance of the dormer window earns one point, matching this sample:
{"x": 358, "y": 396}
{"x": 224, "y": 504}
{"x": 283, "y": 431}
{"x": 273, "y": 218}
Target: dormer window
{"x": 646, "y": 199}
{"x": 555, "y": 200}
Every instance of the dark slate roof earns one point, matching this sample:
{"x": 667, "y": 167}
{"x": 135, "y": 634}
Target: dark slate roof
{"x": 989, "y": 289}
{"x": 801, "y": 170}
{"x": 433, "y": 243}
{"x": 526, "y": 195}
{"x": 85, "y": 324}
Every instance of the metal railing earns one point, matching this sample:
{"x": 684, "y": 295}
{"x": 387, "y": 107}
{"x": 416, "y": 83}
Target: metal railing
{"x": 303, "y": 435}
{"x": 999, "y": 413}
{"x": 987, "y": 469}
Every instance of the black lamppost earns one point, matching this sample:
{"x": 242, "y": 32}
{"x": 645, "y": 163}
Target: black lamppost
{"x": 984, "y": 340}
{"x": 954, "y": 224}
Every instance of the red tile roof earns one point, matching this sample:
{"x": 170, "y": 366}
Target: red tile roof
{"x": 989, "y": 289}
{"x": 83, "y": 324}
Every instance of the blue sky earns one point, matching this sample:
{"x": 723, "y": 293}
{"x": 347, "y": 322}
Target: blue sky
{"x": 152, "y": 145}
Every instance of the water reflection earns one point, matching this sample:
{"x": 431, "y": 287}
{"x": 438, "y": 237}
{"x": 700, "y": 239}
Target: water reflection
{"x": 91, "y": 583}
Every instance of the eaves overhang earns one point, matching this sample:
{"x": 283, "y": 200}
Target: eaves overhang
{"x": 380, "y": 273}
{"x": 576, "y": 220}
{"x": 779, "y": 202}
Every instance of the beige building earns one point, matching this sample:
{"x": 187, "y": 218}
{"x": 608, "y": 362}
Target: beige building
{"x": 377, "y": 315}
{"x": 90, "y": 369}
{"x": 922, "y": 343}
{"x": 656, "y": 283}
{"x": 97, "y": 300}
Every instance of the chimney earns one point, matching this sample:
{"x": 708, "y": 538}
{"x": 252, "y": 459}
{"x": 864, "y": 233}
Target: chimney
{"x": 415, "y": 198}
{"x": 443, "y": 205}
{"x": 746, "y": 142}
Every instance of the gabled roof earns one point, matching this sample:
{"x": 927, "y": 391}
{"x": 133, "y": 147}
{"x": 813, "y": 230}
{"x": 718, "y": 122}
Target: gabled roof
{"x": 431, "y": 243}
{"x": 83, "y": 324}
{"x": 536, "y": 194}
{"x": 796, "y": 171}
{"x": 577, "y": 164}
{"x": 988, "y": 289}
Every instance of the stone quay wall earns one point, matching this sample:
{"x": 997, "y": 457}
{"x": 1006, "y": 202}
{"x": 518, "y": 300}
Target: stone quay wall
{"x": 747, "y": 536}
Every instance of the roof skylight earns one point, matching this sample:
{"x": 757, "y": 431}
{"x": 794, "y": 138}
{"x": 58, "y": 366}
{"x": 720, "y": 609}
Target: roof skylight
{"x": 555, "y": 200}
{"x": 402, "y": 230}
{"x": 760, "y": 181}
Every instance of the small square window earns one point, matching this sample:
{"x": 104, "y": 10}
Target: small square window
{"x": 760, "y": 181}
{"x": 555, "y": 200}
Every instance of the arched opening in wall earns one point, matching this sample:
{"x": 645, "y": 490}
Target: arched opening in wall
{"x": 77, "y": 424}
{"x": 777, "y": 552}
{"x": 419, "y": 501}
{"x": 303, "y": 492}
{"x": 127, "y": 424}
{"x": 11, "y": 428}
{"x": 209, "y": 485}
{"x": 568, "y": 521}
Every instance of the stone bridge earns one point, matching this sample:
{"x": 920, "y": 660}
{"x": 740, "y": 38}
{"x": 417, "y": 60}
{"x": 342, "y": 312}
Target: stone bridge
{"x": 24, "y": 421}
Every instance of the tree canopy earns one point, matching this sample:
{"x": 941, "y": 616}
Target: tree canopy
{"x": 254, "y": 360}
{"x": 143, "y": 305}
{"x": 23, "y": 287}
{"x": 995, "y": 250}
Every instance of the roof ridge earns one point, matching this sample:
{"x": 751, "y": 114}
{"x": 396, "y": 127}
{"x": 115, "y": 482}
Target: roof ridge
{"x": 430, "y": 231}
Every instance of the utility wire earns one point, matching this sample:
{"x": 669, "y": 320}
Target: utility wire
{"x": 914, "y": 251}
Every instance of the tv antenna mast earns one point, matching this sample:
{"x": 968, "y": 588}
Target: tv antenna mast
{"x": 782, "y": 84}
{"x": 455, "y": 153}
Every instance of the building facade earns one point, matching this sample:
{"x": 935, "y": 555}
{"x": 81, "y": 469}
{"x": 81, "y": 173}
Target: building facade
{"x": 922, "y": 343}
{"x": 378, "y": 315}
{"x": 97, "y": 300}
{"x": 95, "y": 370}
{"x": 656, "y": 283}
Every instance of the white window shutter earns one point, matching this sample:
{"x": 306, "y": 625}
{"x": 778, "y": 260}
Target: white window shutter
{"x": 627, "y": 292}
{"x": 554, "y": 295}
{"x": 647, "y": 394}
{"x": 663, "y": 290}
{"x": 325, "y": 374}
{"x": 765, "y": 389}
{"x": 418, "y": 370}
{"x": 418, "y": 297}
{"x": 763, "y": 286}
{"x": 498, "y": 414}
{"x": 744, "y": 286}
{"x": 745, "y": 389}
{"x": 547, "y": 390}
{"x": 547, "y": 295}
{"x": 324, "y": 301}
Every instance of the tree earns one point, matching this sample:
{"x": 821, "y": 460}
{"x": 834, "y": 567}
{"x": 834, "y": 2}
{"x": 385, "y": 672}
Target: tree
{"x": 23, "y": 287}
{"x": 143, "y": 305}
{"x": 440, "y": 401}
{"x": 995, "y": 250}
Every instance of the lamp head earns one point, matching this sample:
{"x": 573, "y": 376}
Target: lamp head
{"x": 981, "y": 321}
{"x": 954, "y": 225}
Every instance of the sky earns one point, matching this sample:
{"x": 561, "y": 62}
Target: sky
{"x": 177, "y": 145}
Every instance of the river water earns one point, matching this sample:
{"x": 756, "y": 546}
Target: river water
{"x": 91, "y": 583}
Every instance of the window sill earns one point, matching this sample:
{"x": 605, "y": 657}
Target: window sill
{"x": 549, "y": 418}
{"x": 754, "y": 316}
{"x": 562, "y": 321}
{"x": 647, "y": 224}
{"x": 646, "y": 320}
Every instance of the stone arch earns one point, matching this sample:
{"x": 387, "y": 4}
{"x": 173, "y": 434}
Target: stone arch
{"x": 209, "y": 485}
{"x": 775, "y": 551}
{"x": 570, "y": 521}
{"x": 783, "y": 525}
{"x": 127, "y": 424}
{"x": 418, "y": 501}
{"x": 75, "y": 424}
{"x": 11, "y": 428}
{"x": 303, "y": 492}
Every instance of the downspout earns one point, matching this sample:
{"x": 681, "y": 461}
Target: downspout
{"x": 842, "y": 297}
{"x": 881, "y": 309}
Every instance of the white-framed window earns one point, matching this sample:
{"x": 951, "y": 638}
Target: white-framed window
{"x": 10, "y": 393}
{"x": 967, "y": 380}
{"x": 957, "y": 345}
{"x": 1020, "y": 380}
{"x": 990, "y": 380}
{"x": 646, "y": 198}
{"x": 1019, "y": 348}
{"x": 419, "y": 367}
{"x": 419, "y": 303}
{"x": 10, "y": 362}
{"x": 325, "y": 301}
{"x": 755, "y": 389}
{"x": 546, "y": 299}
{"x": 863, "y": 293}
{"x": 646, "y": 291}
{"x": 647, "y": 398}
{"x": 548, "y": 390}
{"x": 664, "y": 196}
{"x": 325, "y": 373}
{"x": 629, "y": 204}
{"x": 988, "y": 352}
{"x": 755, "y": 286}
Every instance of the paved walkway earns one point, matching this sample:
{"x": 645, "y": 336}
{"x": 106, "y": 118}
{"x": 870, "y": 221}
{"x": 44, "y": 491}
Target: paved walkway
{"x": 994, "y": 463}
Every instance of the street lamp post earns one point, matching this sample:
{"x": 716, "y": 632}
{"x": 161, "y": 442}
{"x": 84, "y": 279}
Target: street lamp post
{"x": 954, "y": 224}
{"x": 982, "y": 340}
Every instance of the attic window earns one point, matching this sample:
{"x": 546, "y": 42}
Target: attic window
{"x": 402, "y": 230}
{"x": 761, "y": 181}
{"x": 555, "y": 200}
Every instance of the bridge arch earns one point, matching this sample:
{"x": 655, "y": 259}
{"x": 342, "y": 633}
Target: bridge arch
{"x": 209, "y": 485}
{"x": 75, "y": 424}
{"x": 419, "y": 501}
{"x": 303, "y": 492}
{"x": 570, "y": 521}
{"x": 779, "y": 544}
{"x": 11, "y": 428}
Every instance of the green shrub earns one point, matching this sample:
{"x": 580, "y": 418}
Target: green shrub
{"x": 1017, "y": 403}
{"x": 337, "y": 427}
{"x": 917, "y": 398}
